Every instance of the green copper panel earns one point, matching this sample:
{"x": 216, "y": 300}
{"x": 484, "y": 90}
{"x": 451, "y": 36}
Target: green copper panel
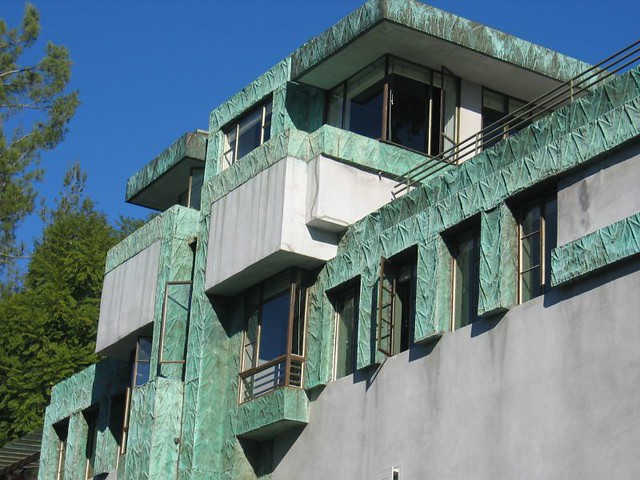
{"x": 138, "y": 454}
{"x": 253, "y": 93}
{"x": 596, "y": 250}
{"x": 565, "y": 140}
{"x": 272, "y": 413}
{"x": 190, "y": 145}
{"x": 498, "y": 261}
{"x": 167, "y": 415}
{"x": 433, "y": 291}
{"x": 344, "y": 146}
{"x": 76, "y": 460}
{"x": 106, "y": 443}
{"x": 439, "y": 24}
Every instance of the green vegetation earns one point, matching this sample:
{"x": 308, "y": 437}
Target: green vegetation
{"x": 48, "y": 326}
{"x": 34, "y": 113}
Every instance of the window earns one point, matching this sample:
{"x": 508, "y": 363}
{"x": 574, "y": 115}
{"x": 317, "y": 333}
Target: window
{"x": 142, "y": 361}
{"x": 537, "y": 237}
{"x": 397, "y": 302}
{"x": 399, "y": 102}
{"x": 62, "y": 431}
{"x": 465, "y": 278}
{"x": 91, "y": 417}
{"x": 346, "y": 302}
{"x": 273, "y": 346}
{"x": 118, "y": 421}
{"x": 505, "y": 114}
{"x": 247, "y": 133}
{"x": 191, "y": 197}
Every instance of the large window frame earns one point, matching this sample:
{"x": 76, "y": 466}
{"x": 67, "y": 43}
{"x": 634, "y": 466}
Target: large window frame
{"x": 259, "y": 375}
{"x": 234, "y": 149}
{"x": 505, "y": 113}
{"x": 397, "y": 286}
{"x": 537, "y": 237}
{"x": 381, "y": 79}
{"x": 345, "y": 300}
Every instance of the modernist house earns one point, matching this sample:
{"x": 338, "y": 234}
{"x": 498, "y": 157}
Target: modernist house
{"x": 391, "y": 256}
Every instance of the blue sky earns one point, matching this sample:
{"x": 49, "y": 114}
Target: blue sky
{"x": 148, "y": 71}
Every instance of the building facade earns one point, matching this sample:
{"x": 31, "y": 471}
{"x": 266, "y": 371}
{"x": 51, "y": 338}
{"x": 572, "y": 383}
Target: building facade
{"x": 389, "y": 257}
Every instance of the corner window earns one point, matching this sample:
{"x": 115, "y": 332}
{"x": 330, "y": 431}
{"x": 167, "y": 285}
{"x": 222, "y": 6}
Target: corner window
{"x": 345, "y": 302}
{"x": 397, "y": 302}
{"x": 62, "y": 431}
{"x": 465, "y": 279}
{"x": 399, "y": 102}
{"x": 538, "y": 232}
{"x": 142, "y": 361}
{"x": 191, "y": 197}
{"x": 247, "y": 133}
{"x": 91, "y": 417}
{"x": 273, "y": 346}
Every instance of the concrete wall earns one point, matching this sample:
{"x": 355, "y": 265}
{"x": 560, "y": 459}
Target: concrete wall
{"x": 128, "y": 297}
{"x": 550, "y": 391}
{"x": 599, "y": 196}
{"x": 470, "y": 111}
{"x": 287, "y": 215}
{"x": 338, "y": 195}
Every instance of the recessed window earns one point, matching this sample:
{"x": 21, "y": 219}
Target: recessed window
{"x": 273, "y": 346}
{"x": 91, "y": 418}
{"x": 142, "y": 361}
{"x": 397, "y": 302}
{"x": 465, "y": 281}
{"x": 345, "y": 301}
{"x": 191, "y": 196}
{"x": 62, "y": 431}
{"x": 537, "y": 232}
{"x": 247, "y": 133}
{"x": 118, "y": 421}
{"x": 399, "y": 102}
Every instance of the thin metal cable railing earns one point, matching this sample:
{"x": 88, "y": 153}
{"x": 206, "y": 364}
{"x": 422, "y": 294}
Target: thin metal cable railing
{"x": 541, "y": 106}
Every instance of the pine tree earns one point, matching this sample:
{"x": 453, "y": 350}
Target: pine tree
{"x": 34, "y": 113}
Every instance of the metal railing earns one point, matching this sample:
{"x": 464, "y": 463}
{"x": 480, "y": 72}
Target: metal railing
{"x": 564, "y": 93}
{"x": 283, "y": 371}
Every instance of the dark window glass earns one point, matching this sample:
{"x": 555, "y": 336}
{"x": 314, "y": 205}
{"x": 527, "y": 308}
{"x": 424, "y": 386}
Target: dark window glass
{"x": 538, "y": 236}
{"x": 409, "y": 113}
{"x": 436, "y": 122}
{"x": 249, "y": 132}
{"x": 397, "y": 302}
{"x": 197, "y": 179}
{"x": 466, "y": 263}
{"x": 365, "y": 112}
{"x": 62, "y": 431}
{"x": 274, "y": 326}
{"x": 142, "y": 363}
{"x": 346, "y": 307}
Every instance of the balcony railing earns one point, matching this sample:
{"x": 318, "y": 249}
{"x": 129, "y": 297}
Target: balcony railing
{"x": 563, "y": 94}
{"x": 283, "y": 371}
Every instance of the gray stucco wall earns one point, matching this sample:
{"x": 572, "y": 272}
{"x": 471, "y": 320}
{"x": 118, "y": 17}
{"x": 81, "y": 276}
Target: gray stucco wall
{"x": 128, "y": 297}
{"x": 599, "y": 196}
{"x": 552, "y": 390}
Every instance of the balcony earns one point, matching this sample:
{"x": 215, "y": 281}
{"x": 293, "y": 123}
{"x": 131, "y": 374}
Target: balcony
{"x": 288, "y": 215}
{"x": 136, "y": 274}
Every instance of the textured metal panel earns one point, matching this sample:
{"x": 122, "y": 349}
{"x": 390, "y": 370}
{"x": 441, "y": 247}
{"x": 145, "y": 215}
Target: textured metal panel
{"x": 597, "y": 250}
{"x": 498, "y": 261}
{"x": 272, "y": 413}
{"x": 439, "y": 24}
{"x": 189, "y": 145}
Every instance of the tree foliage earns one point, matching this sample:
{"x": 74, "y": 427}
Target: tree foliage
{"x": 34, "y": 113}
{"x": 48, "y": 328}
